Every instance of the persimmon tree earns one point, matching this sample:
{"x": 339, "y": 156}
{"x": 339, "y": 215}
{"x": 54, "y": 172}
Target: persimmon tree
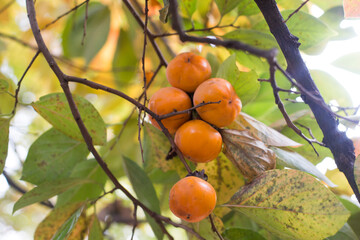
{"x": 78, "y": 146}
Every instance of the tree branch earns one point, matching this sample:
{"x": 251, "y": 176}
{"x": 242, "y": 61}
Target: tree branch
{"x": 178, "y": 27}
{"x": 15, "y": 186}
{"x": 340, "y": 145}
{"x": 88, "y": 140}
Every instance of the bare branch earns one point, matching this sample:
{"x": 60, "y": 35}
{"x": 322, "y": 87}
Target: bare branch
{"x": 15, "y": 186}
{"x": 85, "y": 21}
{"x": 135, "y": 222}
{"x": 213, "y": 227}
{"x": 178, "y": 27}
{"x": 64, "y": 14}
{"x": 20, "y": 81}
{"x": 161, "y": 117}
{"x": 196, "y": 30}
{"x": 149, "y": 34}
{"x": 296, "y": 10}
{"x": 282, "y": 107}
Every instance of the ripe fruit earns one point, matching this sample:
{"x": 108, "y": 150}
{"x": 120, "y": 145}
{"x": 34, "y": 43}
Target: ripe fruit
{"x": 192, "y": 199}
{"x": 198, "y": 141}
{"x": 187, "y": 71}
{"x": 168, "y": 100}
{"x": 213, "y": 90}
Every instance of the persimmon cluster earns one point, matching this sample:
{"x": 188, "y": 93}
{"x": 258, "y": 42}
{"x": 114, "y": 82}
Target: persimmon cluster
{"x": 216, "y": 104}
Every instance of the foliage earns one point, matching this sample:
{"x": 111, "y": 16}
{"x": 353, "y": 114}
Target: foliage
{"x": 77, "y": 167}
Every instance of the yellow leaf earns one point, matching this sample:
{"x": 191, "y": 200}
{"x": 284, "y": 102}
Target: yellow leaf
{"x": 339, "y": 179}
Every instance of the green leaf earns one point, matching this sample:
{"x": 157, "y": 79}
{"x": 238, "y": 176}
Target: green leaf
{"x": 188, "y": 7}
{"x": 95, "y": 232}
{"x": 243, "y": 234}
{"x": 294, "y": 160}
{"x": 330, "y": 88}
{"x": 259, "y": 65}
{"x": 65, "y": 230}
{"x": 4, "y": 85}
{"x": 267, "y": 134}
{"x": 226, "y": 6}
{"x": 97, "y": 30}
{"x": 56, "y": 218}
{"x": 55, "y": 109}
{"x": 350, "y": 62}
{"x": 144, "y": 191}
{"x": 291, "y": 205}
{"x": 258, "y": 39}
{"x": 351, "y": 206}
{"x": 88, "y": 169}
{"x": 4, "y": 141}
{"x": 52, "y": 156}
{"x": 7, "y": 101}
{"x": 245, "y": 83}
{"x": 214, "y": 63}
{"x": 333, "y": 18}
{"x": 125, "y": 60}
{"x": 310, "y": 30}
{"x": 236, "y": 219}
{"x": 47, "y": 190}
{"x": 247, "y": 8}
{"x": 345, "y": 233}
{"x": 253, "y": 37}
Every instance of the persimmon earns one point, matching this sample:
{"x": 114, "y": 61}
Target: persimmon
{"x": 213, "y": 90}
{"x": 168, "y": 100}
{"x": 187, "y": 71}
{"x": 192, "y": 199}
{"x": 198, "y": 141}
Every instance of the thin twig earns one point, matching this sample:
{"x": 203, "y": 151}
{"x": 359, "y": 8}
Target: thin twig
{"x": 213, "y": 227}
{"x": 308, "y": 129}
{"x": 283, "y": 110}
{"x": 296, "y": 10}
{"x": 135, "y": 222}
{"x": 20, "y": 81}
{"x": 149, "y": 34}
{"x": 288, "y": 91}
{"x": 15, "y": 186}
{"x": 311, "y": 95}
{"x": 140, "y": 122}
{"x": 196, "y": 30}
{"x": 85, "y": 22}
{"x": 64, "y": 14}
{"x": 155, "y": 27}
{"x": 161, "y": 117}
{"x": 103, "y": 195}
{"x": 132, "y": 112}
